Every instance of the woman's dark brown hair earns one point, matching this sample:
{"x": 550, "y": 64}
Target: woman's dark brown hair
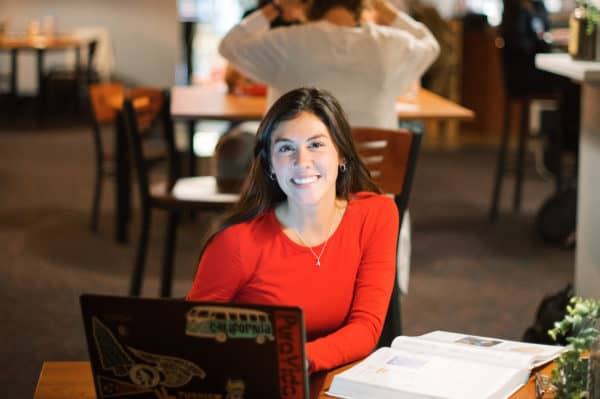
{"x": 261, "y": 193}
{"x": 319, "y": 8}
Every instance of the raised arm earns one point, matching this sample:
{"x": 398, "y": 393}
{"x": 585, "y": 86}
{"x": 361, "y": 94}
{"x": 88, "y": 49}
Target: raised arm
{"x": 252, "y": 49}
{"x": 409, "y": 47}
{"x": 372, "y": 291}
{"x": 422, "y": 49}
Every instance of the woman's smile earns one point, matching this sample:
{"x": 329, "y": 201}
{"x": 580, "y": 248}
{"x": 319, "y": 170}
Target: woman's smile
{"x": 302, "y": 181}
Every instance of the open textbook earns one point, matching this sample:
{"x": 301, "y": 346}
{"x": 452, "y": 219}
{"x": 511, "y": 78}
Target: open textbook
{"x": 443, "y": 365}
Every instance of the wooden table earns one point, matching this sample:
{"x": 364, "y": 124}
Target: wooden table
{"x": 193, "y": 103}
{"x": 197, "y": 102}
{"x": 73, "y": 380}
{"x": 40, "y": 44}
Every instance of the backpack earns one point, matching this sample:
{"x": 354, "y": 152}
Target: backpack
{"x": 556, "y": 219}
{"x": 553, "y": 308}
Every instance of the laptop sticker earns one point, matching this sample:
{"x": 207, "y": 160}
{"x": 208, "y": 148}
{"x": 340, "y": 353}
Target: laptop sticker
{"x": 235, "y": 389}
{"x": 223, "y": 323}
{"x": 177, "y": 372}
{"x": 289, "y": 348}
{"x": 112, "y": 355}
{"x": 110, "y": 388}
{"x": 144, "y": 375}
{"x": 167, "y": 371}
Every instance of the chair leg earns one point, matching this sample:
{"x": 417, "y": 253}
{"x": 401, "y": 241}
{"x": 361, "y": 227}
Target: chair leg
{"x": 557, "y": 150}
{"x": 169, "y": 254}
{"x": 140, "y": 257}
{"x": 191, "y": 130}
{"x": 96, "y": 200}
{"x": 501, "y": 163}
{"x": 523, "y": 133}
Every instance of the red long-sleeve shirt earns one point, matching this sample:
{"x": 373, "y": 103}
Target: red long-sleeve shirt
{"x": 344, "y": 300}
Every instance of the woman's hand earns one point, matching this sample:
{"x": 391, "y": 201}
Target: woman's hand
{"x": 271, "y": 11}
{"x": 383, "y": 12}
{"x": 292, "y": 10}
{"x": 288, "y": 10}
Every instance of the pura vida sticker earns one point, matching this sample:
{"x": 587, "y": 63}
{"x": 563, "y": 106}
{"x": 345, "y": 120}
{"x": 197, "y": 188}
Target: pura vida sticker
{"x": 289, "y": 354}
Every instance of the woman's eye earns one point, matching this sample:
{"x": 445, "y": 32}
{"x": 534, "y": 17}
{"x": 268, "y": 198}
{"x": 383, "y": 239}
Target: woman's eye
{"x": 284, "y": 148}
{"x": 316, "y": 144}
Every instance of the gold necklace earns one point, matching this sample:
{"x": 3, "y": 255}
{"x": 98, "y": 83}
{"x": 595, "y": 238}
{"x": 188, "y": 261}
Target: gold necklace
{"x": 317, "y": 257}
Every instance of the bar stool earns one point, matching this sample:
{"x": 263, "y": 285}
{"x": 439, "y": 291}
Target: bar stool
{"x": 523, "y": 99}
{"x": 524, "y": 102}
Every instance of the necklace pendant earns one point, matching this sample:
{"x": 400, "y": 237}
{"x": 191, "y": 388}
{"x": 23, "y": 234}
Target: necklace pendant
{"x": 318, "y": 262}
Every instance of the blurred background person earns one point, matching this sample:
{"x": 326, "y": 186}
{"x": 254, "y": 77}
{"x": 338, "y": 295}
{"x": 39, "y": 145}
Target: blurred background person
{"x": 366, "y": 65}
{"x": 525, "y": 30}
{"x": 238, "y": 82}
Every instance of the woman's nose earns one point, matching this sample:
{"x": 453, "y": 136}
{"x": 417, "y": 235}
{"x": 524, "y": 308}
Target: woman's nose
{"x": 303, "y": 157}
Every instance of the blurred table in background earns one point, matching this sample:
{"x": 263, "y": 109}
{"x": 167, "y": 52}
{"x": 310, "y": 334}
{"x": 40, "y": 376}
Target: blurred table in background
{"x": 193, "y": 103}
{"x": 39, "y": 44}
{"x": 198, "y": 102}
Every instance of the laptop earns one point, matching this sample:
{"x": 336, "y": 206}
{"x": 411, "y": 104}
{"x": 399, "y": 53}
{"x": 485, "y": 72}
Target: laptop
{"x": 174, "y": 349}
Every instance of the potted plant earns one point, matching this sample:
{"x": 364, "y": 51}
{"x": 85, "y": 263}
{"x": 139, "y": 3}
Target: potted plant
{"x": 571, "y": 377}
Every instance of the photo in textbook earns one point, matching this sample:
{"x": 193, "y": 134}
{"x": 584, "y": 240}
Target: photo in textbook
{"x": 443, "y": 365}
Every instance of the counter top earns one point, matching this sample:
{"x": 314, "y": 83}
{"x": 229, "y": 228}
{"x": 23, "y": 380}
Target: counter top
{"x": 562, "y": 64}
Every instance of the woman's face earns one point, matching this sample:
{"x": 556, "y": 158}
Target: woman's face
{"x": 305, "y": 160}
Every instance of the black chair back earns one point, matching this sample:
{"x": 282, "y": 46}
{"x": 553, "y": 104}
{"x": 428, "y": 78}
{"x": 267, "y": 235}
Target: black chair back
{"x": 91, "y": 75}
{"x": 391, "y": 157}
{"x": 141, "y": 108}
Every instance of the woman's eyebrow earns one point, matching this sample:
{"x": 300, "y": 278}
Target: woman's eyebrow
{"x": 316, "y": 136}
{"x": 280, "y": 139}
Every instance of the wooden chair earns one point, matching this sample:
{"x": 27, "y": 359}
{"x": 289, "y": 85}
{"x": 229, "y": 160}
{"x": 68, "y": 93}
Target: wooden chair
{"x": 102, "y": 114}
{"x": 391, "y": 157}
{"x": 173, "y": 195}
{"x": 105, "y": 100}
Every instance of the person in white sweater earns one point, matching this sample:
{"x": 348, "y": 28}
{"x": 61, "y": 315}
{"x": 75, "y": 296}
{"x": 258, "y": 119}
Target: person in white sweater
{"x": 365, "y": 65}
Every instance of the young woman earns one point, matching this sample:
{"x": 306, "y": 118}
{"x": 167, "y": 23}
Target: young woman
{"x": 310, "y": 230}
{"x": 365, "y": 65}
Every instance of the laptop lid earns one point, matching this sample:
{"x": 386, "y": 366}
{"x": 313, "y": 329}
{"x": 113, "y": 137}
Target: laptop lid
{"x": 171, "y": 349}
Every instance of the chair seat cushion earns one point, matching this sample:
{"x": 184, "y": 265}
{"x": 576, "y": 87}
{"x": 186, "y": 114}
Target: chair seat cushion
{"x": 201, "y": 188}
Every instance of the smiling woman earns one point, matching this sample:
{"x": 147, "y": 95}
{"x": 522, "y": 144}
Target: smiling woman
{"x": 310, "y": 230}
{"x": 305, "y": 161}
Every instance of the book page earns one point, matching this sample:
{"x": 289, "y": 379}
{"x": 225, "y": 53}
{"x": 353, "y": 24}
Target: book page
{"x": 391, "y": 373}
{"x": 534, "y": 354}
{"x": 465, "y": 352}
